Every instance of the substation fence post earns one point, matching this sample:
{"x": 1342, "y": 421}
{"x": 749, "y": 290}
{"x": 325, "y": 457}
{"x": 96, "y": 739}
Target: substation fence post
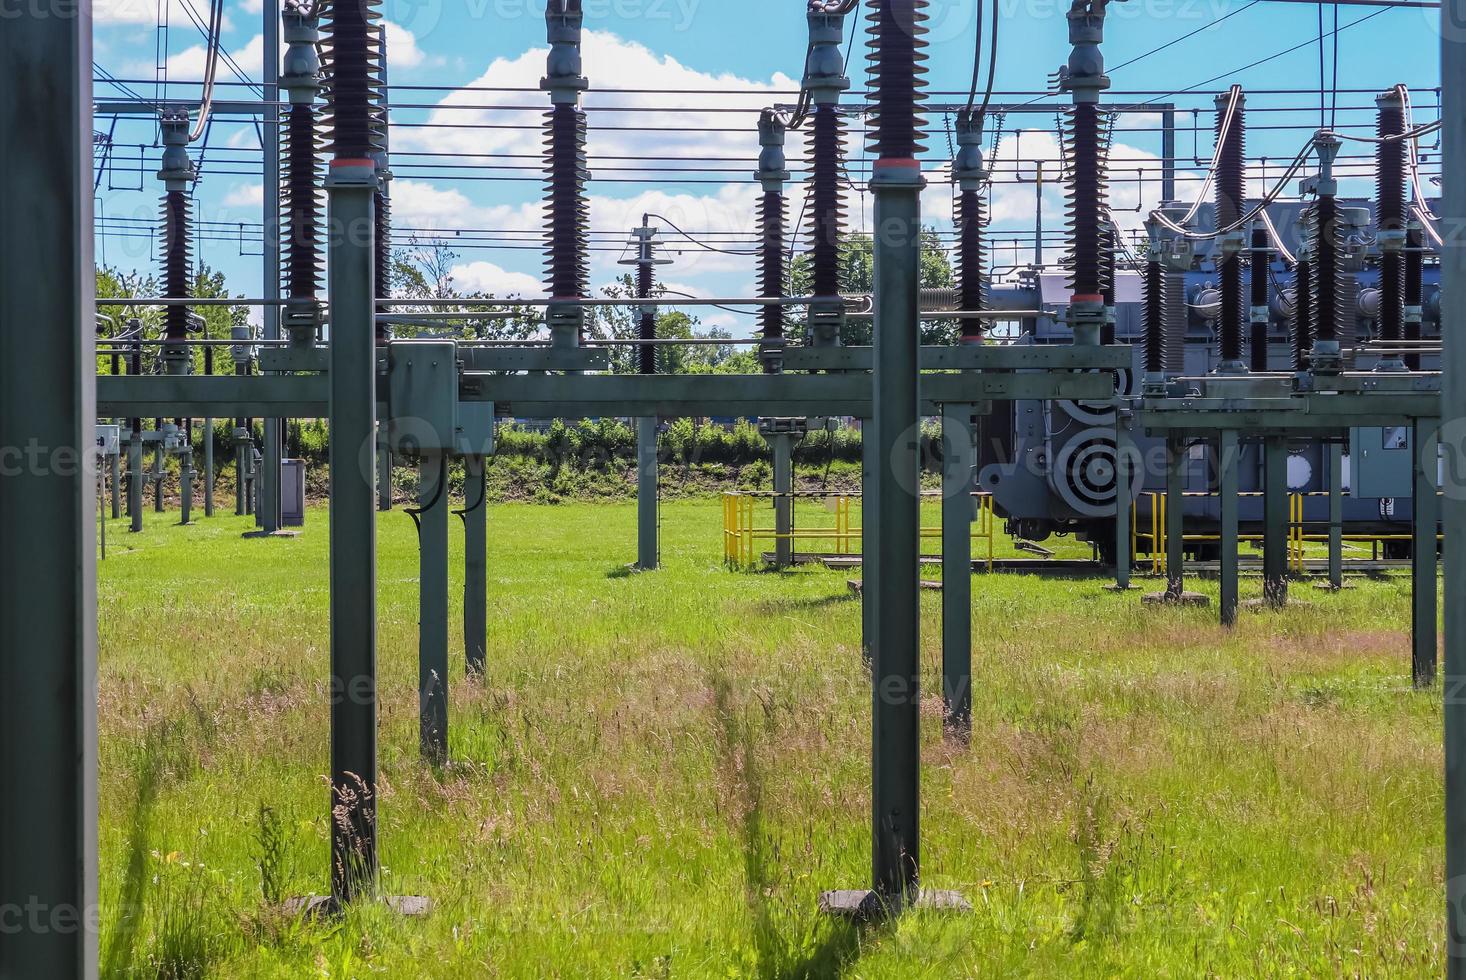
{"x": 48, "y": 538}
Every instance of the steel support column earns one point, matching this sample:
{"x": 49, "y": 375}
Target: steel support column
{"x": 185, "y": 478}
{"x": 1275, "y": 532}
{"x": 48, "y": 626}
{"x": 114, "y": 467}
{"x": 267, "y": 490}
{"x": 782, "y": 444}
{"x": 135, "y": 481}
{"x": 432, "y": 626}
{"x": 895, "y": 591}
{"x": 1176, "y": 456}
{"x": 1124, "y": 484}
{"x": 1336, "y": 515}
{"x": 869, "y": 545}
{"x": 384, "y": 476}
{"x": 1453, "y": 410}
{"x": 353, "y": 531}
{"x": 1227, "y": 463}
{"x": 1424, "y": 442}
{"x": 208, "y": 467}
{"x": 959, "y": 461}
{"x": 159, "y": 471}
{"x": 648, "y": 551}
{"x": 475, "y": 565}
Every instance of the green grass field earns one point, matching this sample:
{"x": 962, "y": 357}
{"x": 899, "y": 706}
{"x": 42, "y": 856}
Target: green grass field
{"x": 661, "y": 772}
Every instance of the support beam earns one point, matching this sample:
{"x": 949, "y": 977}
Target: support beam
{"x": 475, "y": 565}
{"x": 1275, "y": 522}
{"x": 895, "y": 592}
{"x": 959, "y": 462}
{"x": 1424, "y": 443}
{"x": 648, "y": 489}
{"x": 267, "y": 490}
{"x": 353, "y": 386}
{"x": 432, "y": 626}
{"x": 48, "y": 626}
{"x": 1227, "y": 454}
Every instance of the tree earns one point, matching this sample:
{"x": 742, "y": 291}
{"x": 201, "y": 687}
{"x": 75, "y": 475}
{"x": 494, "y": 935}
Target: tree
{"x": 217, "y": 321}
{"x": 857, "y": 275}
{"x": 425, "y": 271}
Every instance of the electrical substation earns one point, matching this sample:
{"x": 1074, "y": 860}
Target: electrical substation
{"x": 1258, "y": 359}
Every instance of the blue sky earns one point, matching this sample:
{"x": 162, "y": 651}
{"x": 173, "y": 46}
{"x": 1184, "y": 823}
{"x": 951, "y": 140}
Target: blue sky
{"x": 733, "y": 49}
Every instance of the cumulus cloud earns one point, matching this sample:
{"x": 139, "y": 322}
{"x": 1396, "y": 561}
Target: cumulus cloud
{"x": 245, "y": 196}
{"x": 486, "y": 277}
{"x": 189, "y": 64}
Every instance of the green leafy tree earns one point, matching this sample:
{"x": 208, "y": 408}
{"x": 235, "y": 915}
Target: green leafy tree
{"x": 857, "y": 275}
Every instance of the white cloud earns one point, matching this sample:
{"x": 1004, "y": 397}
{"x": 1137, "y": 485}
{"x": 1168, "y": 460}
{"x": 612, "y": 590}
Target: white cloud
{"x": 245, "y": 196}
{"x": 253, "y": 6}
{"x": 486, "y": 277}
{"x": 188, "y": 65}
{"x": 402, "y": 48}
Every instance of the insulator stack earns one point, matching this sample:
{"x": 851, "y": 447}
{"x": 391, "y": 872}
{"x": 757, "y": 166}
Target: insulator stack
{"x": 771, "y": 219}
{"x": 353, "y": 53}
{"x": 1391, "y": 214}
{"x": 1328, "y": 279}
{"x": 1259, "y": 272}
{"x": 1414, "y": 288}
{"x": 1231, "y": 192}
{"x": 1088, "y": 199}
{"x": 177, "y": 260}
{"x": 826, "y": 199}
{"x": 1108, "y": 244}
{"x": 1302, "y": 326}
{"x": 301, "y": 196}
{"x": 568, "y": 240}
{"x": 971, "y": 262}
{"x": 897, "y": 71}
{"x": 1155, "y": 317}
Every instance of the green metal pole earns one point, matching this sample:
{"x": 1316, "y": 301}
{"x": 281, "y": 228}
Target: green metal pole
{"x": 1336, "y": 516}
{"x": 475, "y": 565}
{"x": 1124, "y": 457}
{"x": 114, "y": 466}
{"x": 384, "y": 477}
{"x": 1275, "y": 522}
{"x": 959, "y": 462}
{"x": 869, "y": 545}
{"x": 647, "y": 489}
{"x": 158, "y": 471}
{"x": 185, "y": 478}
{"x": 353, "y": 531}
{"x": 135, "y": 481}
{"x": 1425, "y": 443}
{"x": 896, "y": 736}
{"x": 241, "y": 490}
{"x": 432, "y": 628}
{"x": 1175, "y": 518}
{"x": 208, "y": 467}
{"x": 1453, "y": 412}
{"x": 1227, "y": 460}
{"x": 782, "y": 444}
{"x": 49, "y": 916}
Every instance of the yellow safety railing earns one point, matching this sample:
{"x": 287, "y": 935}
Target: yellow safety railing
{"x": 744, "y": 539}
{"x": 1298, "y": 535}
